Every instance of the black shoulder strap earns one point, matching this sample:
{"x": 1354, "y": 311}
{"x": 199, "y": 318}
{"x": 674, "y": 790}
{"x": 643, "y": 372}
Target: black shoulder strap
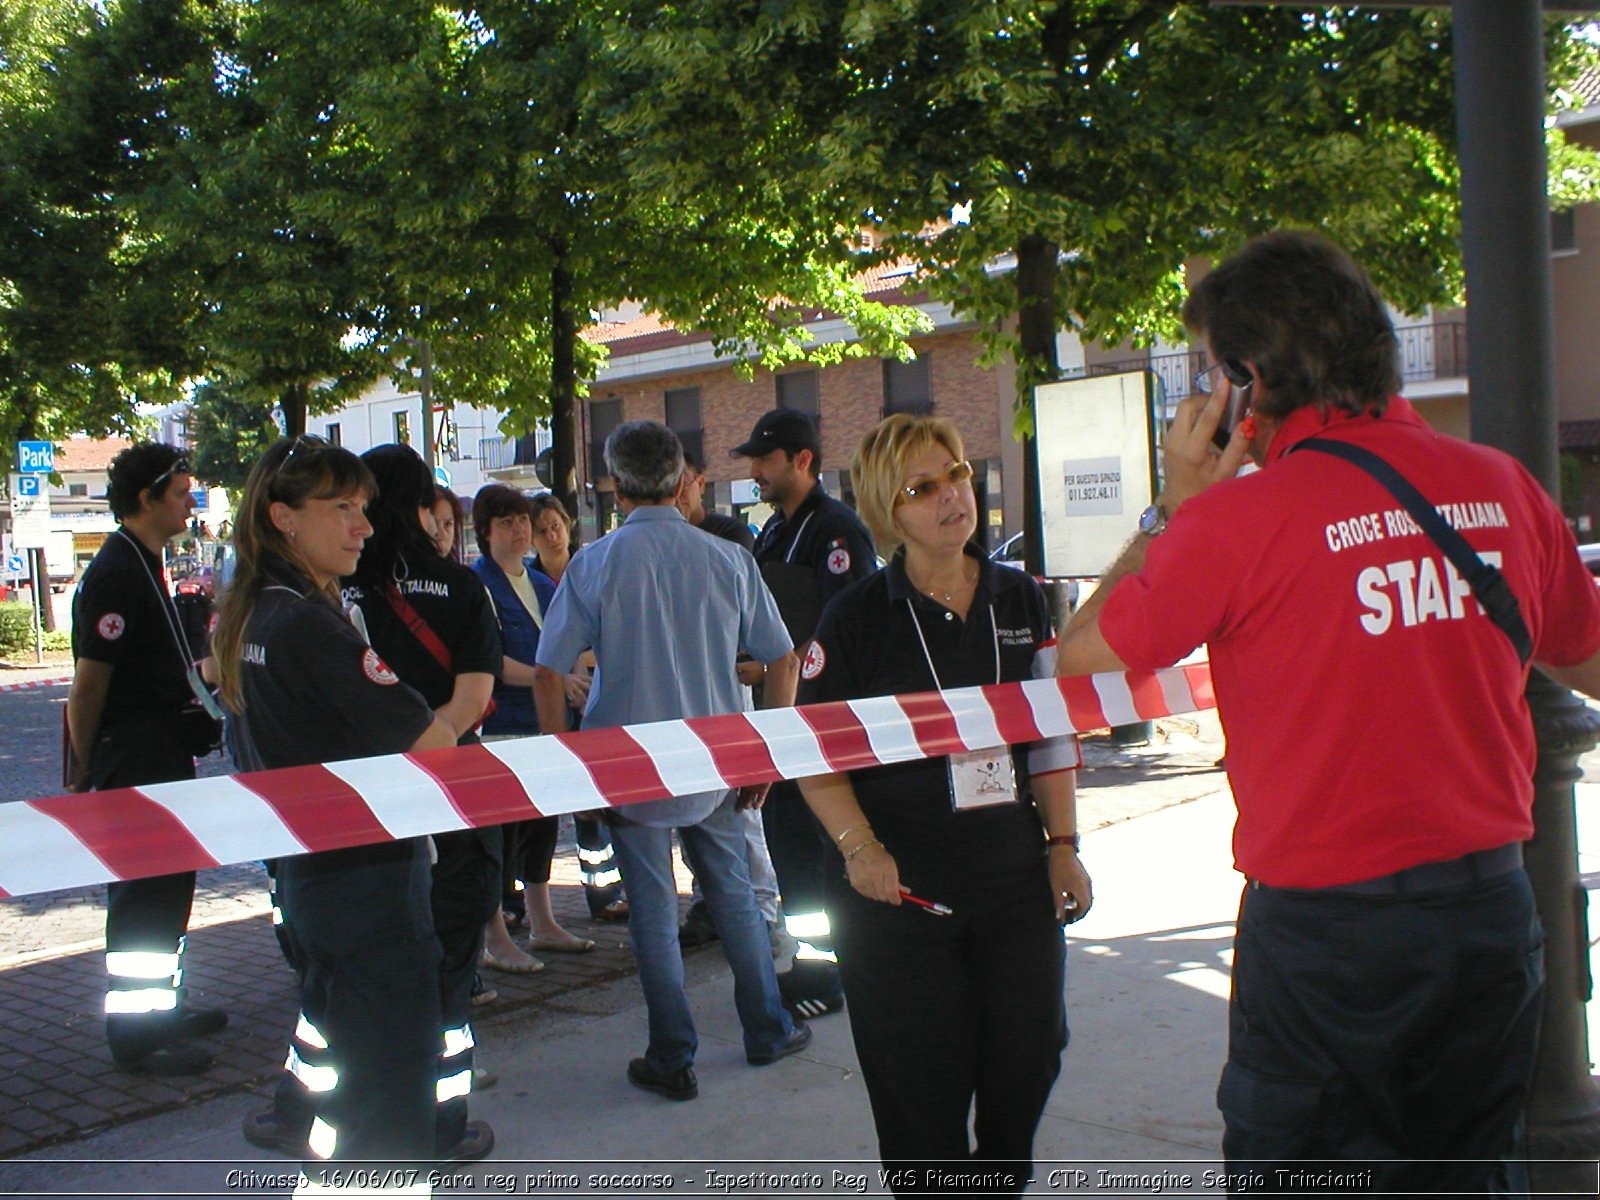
{"x": 1488, "y": 582}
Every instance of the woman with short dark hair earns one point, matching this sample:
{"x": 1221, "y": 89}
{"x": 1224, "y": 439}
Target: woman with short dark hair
{"x": 501, "y": 521}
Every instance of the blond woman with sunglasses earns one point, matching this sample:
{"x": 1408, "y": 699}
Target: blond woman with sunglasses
{"x": 956, "y": 874}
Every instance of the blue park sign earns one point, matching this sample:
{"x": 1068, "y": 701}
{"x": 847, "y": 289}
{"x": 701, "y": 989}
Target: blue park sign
{"x": 35, "y": 458}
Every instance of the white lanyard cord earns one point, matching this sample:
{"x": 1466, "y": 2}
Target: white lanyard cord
{"x": 934, "y": 671}
{"x": 165, "y": 601}
{"x": 798, "y": 534}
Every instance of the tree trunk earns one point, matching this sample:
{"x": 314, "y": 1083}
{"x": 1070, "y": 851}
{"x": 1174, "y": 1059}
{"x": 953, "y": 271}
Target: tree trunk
{"x": 293, "y": 403}
{"x": 1036, "y": 363}
{"x": 563, "y": 386}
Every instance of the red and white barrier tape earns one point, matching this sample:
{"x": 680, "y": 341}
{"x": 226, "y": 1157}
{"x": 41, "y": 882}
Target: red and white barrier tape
{"x": 24, "y": 685}
{"x": 130, "y": 833}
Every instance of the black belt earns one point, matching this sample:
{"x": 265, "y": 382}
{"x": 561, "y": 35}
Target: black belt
{"x": 1477, "y": 867}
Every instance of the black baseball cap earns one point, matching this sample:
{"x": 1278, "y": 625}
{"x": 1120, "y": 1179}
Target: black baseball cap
{"x": 781, "y": 429}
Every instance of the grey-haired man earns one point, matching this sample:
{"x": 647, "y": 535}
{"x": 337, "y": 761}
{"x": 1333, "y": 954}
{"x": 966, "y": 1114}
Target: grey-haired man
{"x": 668, "y": 611}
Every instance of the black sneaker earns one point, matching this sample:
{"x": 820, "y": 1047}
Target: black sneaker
{"x": 811, "y": 989}
{"x": 476, "y": 1141}
{"x": 169, "y": 1060}
{"x": 679, "y": 1085}
{"x": 265, "y": 1130}
{"x": 698, "y": 929}
{"x": 798, "y": 1039}
{"x": 198, "y": 1022}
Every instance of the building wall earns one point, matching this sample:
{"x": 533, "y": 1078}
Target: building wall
{"x": 850, "y": 398}
{"x": 1575, "y": 287}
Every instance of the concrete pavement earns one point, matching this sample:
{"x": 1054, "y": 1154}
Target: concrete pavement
{"x": 1132, "y": 1114}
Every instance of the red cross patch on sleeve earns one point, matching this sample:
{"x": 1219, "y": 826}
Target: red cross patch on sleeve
{"x": 816, "y": 660}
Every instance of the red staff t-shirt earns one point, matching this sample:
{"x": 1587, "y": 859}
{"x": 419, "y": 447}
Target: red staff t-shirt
{"x": 1374, "y": 713}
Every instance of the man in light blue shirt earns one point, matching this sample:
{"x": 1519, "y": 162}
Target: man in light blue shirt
{"x": 668, "y": 610}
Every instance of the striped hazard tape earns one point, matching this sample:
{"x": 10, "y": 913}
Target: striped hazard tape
{"x": 24, "y": 685}
{"x": 129, "y": 833}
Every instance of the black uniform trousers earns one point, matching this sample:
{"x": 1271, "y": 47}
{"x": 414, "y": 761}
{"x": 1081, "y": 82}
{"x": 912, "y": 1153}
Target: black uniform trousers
{"x": 597, "y": 860}
{"x": 466, "y": 888}
{"x": 802, "y": 861}
{"x": 143, "y": 915}
{"x": 1378, "y": 1032}
{"x": 527, "y": 848}
{"x": 955, "y": 1017}
{"x": 364, "y": 1057}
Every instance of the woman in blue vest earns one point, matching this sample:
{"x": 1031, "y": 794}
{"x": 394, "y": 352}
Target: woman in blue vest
{"x": 502, "y": 519}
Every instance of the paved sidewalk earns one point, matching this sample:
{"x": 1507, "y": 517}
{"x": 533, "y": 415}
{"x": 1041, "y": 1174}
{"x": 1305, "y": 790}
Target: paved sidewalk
{"x": 1145, "y": 975}
{"x": 57, "y": 1083}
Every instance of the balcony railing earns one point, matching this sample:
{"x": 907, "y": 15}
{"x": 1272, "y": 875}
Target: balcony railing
{"x": 1427, "y": 352}
{"x": 499, "y": 453}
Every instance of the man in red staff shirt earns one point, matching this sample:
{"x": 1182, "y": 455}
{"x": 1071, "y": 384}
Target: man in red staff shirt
{"x": 1388, "y": 967}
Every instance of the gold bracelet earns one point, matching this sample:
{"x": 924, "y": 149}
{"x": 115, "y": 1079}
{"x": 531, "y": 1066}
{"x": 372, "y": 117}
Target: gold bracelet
{"x": 858, "y": 849}
{"x": 847, "y": 832}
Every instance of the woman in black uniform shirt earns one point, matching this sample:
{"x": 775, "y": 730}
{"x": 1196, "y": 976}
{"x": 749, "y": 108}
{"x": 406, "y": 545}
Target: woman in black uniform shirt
{"x": 432, "y": 622}
{"x": 308, "y": 689}
{"x": 959, "y": 1015}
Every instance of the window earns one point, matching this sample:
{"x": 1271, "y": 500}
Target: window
{"x": 683, "y": 418}
{"x": 77, "y": 489}
{"x": 402, "y": 427}
{"x": 604, "y": 416}
{"x": 798, "y": 390}
{"x": 906, "y": 387}
{"x": 1563, "y": 232}
{"x": 334, "y": 436}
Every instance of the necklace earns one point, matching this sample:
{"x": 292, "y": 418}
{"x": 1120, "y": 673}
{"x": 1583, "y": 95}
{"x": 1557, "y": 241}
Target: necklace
{"x": 939, "y": 594}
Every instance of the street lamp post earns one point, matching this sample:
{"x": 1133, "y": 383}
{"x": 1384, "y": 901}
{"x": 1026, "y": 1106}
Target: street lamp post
{"x": 1499, "y": 63}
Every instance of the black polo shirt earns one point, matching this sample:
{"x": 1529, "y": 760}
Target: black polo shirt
{"x": 313, "y": 690}
{"x": 867, "y": 645}
{"x": 728, "y": 528}
{"x": 809, "y": 558}
{"x": 118, "y": 618}
{"x": 453, "y": 602}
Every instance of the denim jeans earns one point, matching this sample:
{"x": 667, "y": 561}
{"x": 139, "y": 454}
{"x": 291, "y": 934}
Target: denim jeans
{"x": 762, "y": 876}
{"x": 716, "y": 852}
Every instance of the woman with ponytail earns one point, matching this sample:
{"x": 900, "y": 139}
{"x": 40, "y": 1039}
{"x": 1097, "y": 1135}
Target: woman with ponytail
{"x": 306, "y": 688}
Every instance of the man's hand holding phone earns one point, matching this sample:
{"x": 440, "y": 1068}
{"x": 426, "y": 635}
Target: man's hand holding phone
{"x": 1191, "y": 460}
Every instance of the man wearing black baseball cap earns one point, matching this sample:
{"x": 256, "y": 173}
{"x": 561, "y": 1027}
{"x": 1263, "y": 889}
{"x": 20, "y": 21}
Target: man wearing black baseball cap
{"x": 808, "y": 551}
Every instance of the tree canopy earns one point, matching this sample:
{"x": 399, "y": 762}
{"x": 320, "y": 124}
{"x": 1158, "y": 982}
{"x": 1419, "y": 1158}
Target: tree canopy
{"x": 225, "y": 189}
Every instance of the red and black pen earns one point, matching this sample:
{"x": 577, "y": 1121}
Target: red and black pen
{"x": 938, "y": 910}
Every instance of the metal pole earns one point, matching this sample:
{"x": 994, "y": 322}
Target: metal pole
{"x": 1499, "y": 65}
{"x": 39, "y": 579}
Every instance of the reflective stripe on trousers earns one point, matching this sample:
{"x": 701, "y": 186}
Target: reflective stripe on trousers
{"x": 140, "y": 982}
{"x": 598, "y": 867}
{"x": 455, "y": 1065}
{"x": 813, "y": 935}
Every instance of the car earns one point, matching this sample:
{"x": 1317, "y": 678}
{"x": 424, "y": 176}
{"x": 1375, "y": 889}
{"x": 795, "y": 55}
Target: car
{"x": 1009, "y": 552}
{"x": 201, "y": 582}
{"x": 1589, "y": 552}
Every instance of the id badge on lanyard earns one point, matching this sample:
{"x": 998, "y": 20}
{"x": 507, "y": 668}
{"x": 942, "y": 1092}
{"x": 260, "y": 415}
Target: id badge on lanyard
{"x": 982, "y": 778}
{"x": 977, "y": 778}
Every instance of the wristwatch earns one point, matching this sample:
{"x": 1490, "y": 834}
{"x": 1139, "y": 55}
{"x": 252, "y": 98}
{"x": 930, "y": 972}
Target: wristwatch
{"x": 1152, "y": 520}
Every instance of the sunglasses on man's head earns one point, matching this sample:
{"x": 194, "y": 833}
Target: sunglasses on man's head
{"x": 179, "y": 465}
{"x": 925, "y": 489}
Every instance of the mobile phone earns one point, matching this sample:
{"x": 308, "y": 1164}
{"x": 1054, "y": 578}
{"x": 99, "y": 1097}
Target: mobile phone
{"x": 1238, "y": 400}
